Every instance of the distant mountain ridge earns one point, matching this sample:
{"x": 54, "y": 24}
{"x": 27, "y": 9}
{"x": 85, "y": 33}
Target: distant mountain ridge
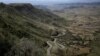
{"x": 65, "y": 5}
{"x": 92, "y": 3}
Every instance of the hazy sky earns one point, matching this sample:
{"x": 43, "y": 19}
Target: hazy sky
{"x": 46, "y": 1}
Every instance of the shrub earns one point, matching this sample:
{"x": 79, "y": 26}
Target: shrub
{"x": 24, "y": 47}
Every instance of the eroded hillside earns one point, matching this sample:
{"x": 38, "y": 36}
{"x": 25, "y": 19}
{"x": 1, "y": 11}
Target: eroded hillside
{"x": 25, "y": 30}
{"x": 28, "y": 31}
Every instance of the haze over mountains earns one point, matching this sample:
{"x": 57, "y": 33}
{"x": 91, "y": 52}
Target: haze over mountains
{"x": 61, "y": 6}
{"x": 64, "y": 29}
{"x": 48, "y": 2}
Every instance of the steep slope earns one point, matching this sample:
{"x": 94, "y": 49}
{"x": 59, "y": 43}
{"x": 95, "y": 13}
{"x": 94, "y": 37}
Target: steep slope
{"x": 33, "y": 13}
{"x": 23, "y": 26}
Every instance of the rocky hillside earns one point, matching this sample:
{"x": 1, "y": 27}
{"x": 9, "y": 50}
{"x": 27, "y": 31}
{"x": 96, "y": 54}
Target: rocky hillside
{"x": 25, "y": 30}
{"x": 28, "y": 31}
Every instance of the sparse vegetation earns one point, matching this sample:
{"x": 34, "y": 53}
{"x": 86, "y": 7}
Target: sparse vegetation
{"x": 83, "y": 22}
{"x": 25, "y": 29}
{"x": 28, "y": 31}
